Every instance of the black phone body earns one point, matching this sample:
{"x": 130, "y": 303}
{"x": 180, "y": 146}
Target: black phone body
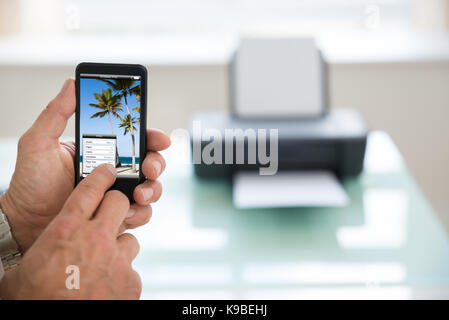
{"x": 111, "y": 115}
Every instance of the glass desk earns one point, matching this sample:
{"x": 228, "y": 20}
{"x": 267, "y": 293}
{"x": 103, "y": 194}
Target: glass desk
{"x": 388, "y": 243}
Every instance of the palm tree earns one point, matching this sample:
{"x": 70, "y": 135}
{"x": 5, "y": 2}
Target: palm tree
{"x": 128, "y": 123}
{"x": 125, "y": 88}
{"x": 137, "y": 109}
{"x": 108, "y": 104}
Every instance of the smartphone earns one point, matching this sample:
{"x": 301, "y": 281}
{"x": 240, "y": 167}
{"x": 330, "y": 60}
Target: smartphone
{"x": 111, "y": 102}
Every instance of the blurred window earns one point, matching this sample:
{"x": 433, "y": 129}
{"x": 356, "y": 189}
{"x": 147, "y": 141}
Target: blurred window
{"x": 230, "y": 16}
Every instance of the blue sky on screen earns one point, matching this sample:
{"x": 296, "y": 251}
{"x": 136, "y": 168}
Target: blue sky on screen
{"x": 90, "y": 86}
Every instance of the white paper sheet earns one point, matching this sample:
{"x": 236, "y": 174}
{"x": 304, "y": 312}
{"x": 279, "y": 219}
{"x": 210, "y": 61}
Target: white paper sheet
{"x": 285, "y": 72}
{"x": 288, "y": 189}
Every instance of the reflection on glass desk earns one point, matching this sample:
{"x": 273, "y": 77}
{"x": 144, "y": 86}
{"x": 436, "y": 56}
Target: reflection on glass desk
{"x": 387, "y": 243}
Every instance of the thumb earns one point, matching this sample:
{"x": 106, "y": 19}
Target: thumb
{"x": 52, "y": 121}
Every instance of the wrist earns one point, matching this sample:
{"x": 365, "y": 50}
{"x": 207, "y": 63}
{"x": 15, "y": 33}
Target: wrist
{"x": 21, "y": 231}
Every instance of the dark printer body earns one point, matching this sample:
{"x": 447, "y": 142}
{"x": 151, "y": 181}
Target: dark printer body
{"x": 334, "y": 142}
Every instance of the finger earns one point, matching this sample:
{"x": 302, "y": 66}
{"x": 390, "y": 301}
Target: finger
{"x": 157, "y": 140}
{"x": 88, "y": 194}
{"x": 128, "y": 245}
{"x": 153, "y": 165}
{"x": 149, "y": 191}
{"x": 137, "y": 216}
{"x": 52, "y": 121}
{"x": 112, "y": 211}
{"x": 134, "y": 289}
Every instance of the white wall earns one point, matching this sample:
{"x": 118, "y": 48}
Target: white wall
{"x": 174, "y": 92}
{"x": 408, "y": 100}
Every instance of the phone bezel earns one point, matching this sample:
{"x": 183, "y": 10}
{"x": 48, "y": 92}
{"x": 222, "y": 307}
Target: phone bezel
{"x": 126, "y": 185}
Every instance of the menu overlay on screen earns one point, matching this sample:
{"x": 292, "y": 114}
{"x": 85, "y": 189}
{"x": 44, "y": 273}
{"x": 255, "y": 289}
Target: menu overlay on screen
{"x": 98, "y": 149}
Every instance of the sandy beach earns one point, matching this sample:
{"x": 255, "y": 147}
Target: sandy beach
{"x": 126, "y": 169}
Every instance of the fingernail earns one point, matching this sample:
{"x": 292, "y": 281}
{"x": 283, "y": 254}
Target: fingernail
{"x": 130, "y": 213}
{"x": 111, "y": 168}
{"x": 147, "y": 193}
{"x": 157, "y": 165}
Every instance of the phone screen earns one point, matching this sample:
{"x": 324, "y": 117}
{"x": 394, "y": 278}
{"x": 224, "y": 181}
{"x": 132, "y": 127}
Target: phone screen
{"x": 109, "y": 123}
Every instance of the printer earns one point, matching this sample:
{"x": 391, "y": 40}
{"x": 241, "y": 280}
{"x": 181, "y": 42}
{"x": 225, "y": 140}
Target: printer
{"x": 281, "y": 83}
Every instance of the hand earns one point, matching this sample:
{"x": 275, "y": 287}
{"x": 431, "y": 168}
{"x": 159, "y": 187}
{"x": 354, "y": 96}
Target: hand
{"x": 84, "y": 234}
{"x": 44, "y": 175}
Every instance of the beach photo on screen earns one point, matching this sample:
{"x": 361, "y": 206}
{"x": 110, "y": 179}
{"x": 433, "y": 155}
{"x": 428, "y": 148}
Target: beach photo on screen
{"x": 109, "y": 123}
